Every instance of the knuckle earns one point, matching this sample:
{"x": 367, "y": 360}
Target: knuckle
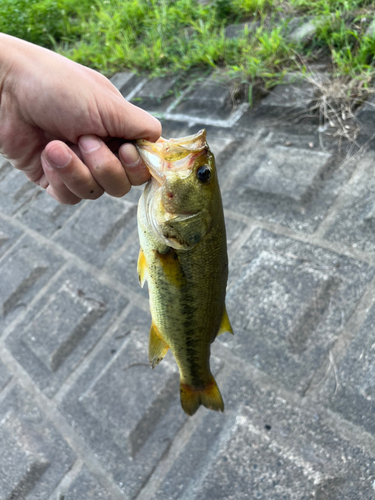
{"x": 119, "y": 191}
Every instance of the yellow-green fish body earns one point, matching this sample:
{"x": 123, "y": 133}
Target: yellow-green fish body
{"x": 183, "y": 257}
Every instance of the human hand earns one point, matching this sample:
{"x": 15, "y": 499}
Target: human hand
{"x": 65, "y": 125}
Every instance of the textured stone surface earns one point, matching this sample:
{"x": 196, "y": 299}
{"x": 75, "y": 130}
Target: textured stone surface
{"x": 5, "y": 376}
{"x": 212, "y": 97}
{"x": 44, "y": 214}
{"x": 366, "y": 116}
{"x": 371, "y": 29}
{"x": 23, "y": 272}
{"x": 15, "y": 190}
{"x": 156, "y": 94}
{"x": 99, "y": 230}
{"x": 223, "y": 142}
{"x": 125, "y": 82}
{"x": 289, "y": 302}
{"x": 87, "y": 487}
{"x": 126, "y": 411}
{"x": 350, "y": 390}
{"x": 289, "y": 101}
{"x": 124, "y": 267}
{"x": 238, "y": 30}
{"x": 264, "y": 447}
{"x": 94, "y": 421}
{"x": 34, "y": 455}
{"x": 58, "y": 331}
{"x": 304, "y": 31}
{"x": 355, "y": 222}
{"x": 172, "y": 128}
{"x": 8, "y": 236}
{"x": 234, "y": 229}
{"x": 282, "y": 184}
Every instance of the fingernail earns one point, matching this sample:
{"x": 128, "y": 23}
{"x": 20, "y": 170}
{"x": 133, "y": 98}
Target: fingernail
{"x": 129, "y": 155}
{"x": 58, "y": 157}
{"x": 89, "y": 143}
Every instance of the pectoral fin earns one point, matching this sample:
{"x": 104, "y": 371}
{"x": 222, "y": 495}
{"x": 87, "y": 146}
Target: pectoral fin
{"x": 157, "y": 348}
{"x": 141, "y": 268}
{"x": 225, "y": 324}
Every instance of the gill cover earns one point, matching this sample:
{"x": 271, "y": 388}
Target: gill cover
{"x": 176, "y": 203}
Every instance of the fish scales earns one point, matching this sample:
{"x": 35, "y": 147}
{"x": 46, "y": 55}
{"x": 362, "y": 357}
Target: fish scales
{"x": 184, "y": 260}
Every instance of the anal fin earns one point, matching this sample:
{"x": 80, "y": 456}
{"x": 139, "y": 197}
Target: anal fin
{"x": 141, "y": 268}
{"x": 225, "y": 324}
{"x": 157, "y": 348}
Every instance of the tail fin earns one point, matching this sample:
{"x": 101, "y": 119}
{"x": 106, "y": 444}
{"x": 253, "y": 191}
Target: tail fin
{"x": 192, "y": 397}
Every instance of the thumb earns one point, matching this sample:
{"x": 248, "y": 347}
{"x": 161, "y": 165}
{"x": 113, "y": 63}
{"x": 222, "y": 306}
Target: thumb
{"x": 130, "y": 122}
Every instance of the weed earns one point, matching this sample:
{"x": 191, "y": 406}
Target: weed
{"x": 166, "y": 36}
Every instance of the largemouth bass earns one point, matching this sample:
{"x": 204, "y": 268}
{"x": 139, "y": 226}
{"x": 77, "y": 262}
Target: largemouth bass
{"x": 183, "y": 257}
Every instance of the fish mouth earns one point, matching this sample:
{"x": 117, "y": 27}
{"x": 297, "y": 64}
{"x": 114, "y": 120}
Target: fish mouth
{"x": 173, "y": 154}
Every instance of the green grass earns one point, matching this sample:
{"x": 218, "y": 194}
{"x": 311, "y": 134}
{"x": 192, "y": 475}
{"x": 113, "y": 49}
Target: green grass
{"x": 160, "y": 37}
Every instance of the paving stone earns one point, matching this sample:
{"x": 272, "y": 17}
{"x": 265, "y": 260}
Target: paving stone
{"x": 284, "y": 184}
{"x": 289, "y": 101}
{"x": 366, "y": 115}
{"x": 237, "y": 30}
{"x": 264, "y": 447}
{"x": 173, "y": 129}
{"x": 304, "y": 30}
{"x": 124, "y": 268}
{"x": 15, "y": 190}
{"x": 44, "y": 214}
{"x": 355, "y": 222}
{"x": 86, "y": 487}
{"x": 157, "y": 94}
{"x": 5, "y": 376}
{"x": 34, "y": 455}
{"x": 5, "y": 167}
{"x": 101, "y": 228}
{"x": 125, "y": 82}
{"x": 8, "y": 235}
{"x": 127, "y": 412}
{"x": 23, "y": 272}
{"x": 371, "y": 29}
{"x": 277, "y": 176}
{"x": 305, "y": 138}
{"x": 350, "y": 389}
{"x": 234, "y": 229}
{"x": 62, "y": 328}
{"x": 288, "y": 303}
{"x": 222, "y": 141}
{"x": 210, "y": 97}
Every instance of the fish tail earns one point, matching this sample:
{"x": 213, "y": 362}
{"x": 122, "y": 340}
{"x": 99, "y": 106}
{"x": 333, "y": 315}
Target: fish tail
{"x": 192, "y": 397}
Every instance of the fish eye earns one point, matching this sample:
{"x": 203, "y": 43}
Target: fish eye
{"x": 204, "y": 173}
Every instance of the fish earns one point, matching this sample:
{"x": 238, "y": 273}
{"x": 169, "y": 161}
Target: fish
{"x": 183, "y": 257}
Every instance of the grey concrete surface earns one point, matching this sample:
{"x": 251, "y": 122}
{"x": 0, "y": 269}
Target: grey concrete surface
{"x": 82, "y": 414}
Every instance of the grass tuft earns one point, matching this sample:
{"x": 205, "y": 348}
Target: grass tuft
{"x": 161, "y": 37}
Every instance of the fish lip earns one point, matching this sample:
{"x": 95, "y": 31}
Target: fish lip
{"x": 159, "y": 156}
{"x": 143, "y": 148}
